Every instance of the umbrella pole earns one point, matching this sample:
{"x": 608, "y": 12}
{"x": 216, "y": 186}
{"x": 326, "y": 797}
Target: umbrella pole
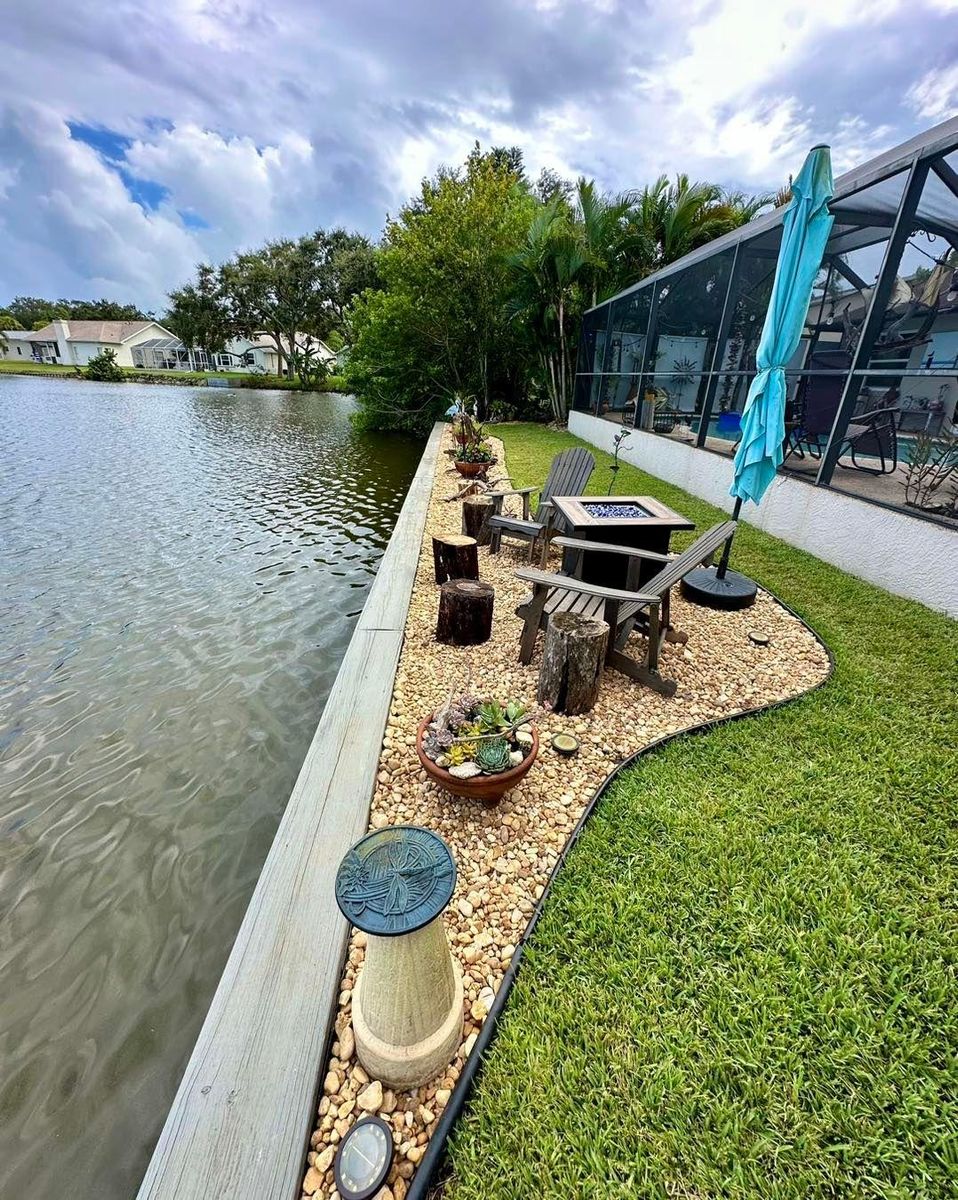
{"x": 726, "y": 553}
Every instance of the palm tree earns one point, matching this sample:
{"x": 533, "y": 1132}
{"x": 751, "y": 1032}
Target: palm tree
{"x": 546, "y": 272}
{"x": 681, "y": 216}
{"x": 608, "y": 237}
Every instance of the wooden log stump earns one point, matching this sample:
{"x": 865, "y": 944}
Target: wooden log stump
{"x": 475, "y": 519}
{"x": 465, "y": 612}
{"x": 572, "y": 662}
{"x": 455, "y": 557}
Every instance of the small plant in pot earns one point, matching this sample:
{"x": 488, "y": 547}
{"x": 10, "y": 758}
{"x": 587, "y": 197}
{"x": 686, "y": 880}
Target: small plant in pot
{"x": 478, "y": 748}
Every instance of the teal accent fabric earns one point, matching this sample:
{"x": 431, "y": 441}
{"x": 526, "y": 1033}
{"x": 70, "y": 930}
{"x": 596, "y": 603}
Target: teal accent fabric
{"x": 805, "y": 229}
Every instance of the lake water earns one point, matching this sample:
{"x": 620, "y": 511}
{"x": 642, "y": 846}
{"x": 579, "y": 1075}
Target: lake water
{"x": 181, "y": 571}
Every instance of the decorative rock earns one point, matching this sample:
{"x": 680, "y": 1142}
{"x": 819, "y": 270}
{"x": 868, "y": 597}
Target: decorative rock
{"x": 426, "y": 1115}
{"x": 515, "y": 757}
{"x": 325, "y": 1160}
{"x": 523, "y": 738}
{"x": 371, "y": 1099}
{"x": 347, "y": 1043}
{"x": 465, "y": 770}
{"x": 332, "y": 1083}
{"x": 442, "y": 1096}
{"x": 313, "y": 1181}
{"x": 469, "y": 1044}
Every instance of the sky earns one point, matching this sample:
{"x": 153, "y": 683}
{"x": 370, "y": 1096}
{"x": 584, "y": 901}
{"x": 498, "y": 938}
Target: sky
{"x": 139, "y": 139}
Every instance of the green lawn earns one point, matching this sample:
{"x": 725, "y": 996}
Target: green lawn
{"x": 744, "y": 981}
{"x": 333, "y": 383}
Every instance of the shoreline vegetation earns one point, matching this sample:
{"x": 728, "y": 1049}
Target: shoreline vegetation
{"x": 237, "y": 379}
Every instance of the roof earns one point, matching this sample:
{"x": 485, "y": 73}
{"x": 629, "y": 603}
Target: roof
{"x": 880, "y": 204}
{"x": 93, "y": 331}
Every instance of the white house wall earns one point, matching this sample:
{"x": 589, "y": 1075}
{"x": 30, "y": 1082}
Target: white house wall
{"x": 904, "y": 555}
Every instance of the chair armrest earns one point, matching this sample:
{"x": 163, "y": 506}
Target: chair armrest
{"x": 610, "y": 548}
{"x": 875, "y": 412}
{"x": 548, "y": 579}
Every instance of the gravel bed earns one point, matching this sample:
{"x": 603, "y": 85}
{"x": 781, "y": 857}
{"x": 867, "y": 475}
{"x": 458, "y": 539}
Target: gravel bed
{"x": 505, "y": 854}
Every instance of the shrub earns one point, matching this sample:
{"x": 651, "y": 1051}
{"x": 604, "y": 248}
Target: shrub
{"x": 104, "y": 368}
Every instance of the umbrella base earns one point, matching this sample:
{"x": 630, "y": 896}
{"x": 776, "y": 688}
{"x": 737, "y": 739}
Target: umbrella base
{"x": 734, "y": 591}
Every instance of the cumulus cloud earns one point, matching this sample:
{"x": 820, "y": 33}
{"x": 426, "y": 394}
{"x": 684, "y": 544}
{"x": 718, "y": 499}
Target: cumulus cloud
{"x": 238, "y": 122}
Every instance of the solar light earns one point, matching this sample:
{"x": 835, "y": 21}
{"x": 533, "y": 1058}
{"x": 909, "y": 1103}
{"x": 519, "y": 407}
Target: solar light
{"x": 363, "y": 1159}
{"x": 565, "y": 744}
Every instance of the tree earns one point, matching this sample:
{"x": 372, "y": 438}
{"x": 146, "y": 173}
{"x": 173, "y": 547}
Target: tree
{"x": 440, "y": 324}
{"x": 8, "y": 321}
{"x": 34, "y": 312}
{"x": 547, "y": 272}
{"x": 348, "y": 266}
{"x": 199, "y": 312}
{"x": 277, "y": 290}
{"x": 612, "y": 245}
{"x": 678, "y": 217}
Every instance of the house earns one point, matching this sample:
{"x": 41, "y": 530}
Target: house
{"x": 150, "y": 346}
{"x": 256, "y": 354}
{"x": 74, "y": 343}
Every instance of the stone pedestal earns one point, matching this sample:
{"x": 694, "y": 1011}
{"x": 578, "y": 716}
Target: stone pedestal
{"x": 407, "y": 1007}
{"x": 407, "y": 1002}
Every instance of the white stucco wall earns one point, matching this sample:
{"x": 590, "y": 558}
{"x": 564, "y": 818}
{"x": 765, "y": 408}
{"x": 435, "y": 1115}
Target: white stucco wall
{"x": 902, "y": 554}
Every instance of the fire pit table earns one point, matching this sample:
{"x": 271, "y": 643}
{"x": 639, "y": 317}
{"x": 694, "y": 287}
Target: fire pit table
{"x": 639, "y": 521}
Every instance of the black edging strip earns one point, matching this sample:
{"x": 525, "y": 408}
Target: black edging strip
{"x": 436, "y": 1146}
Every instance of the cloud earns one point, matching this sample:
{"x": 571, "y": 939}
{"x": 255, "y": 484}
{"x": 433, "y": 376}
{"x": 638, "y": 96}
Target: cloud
{"x": 201, "y": 127}
{"x": 935, "y": 95}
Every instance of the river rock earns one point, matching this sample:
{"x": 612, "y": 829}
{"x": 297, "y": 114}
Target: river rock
{"x": 466, "y": 770}
{"x": 371, "y": 1098}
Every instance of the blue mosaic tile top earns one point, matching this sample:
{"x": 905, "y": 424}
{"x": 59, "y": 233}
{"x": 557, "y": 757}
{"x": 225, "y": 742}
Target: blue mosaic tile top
{"x": 395, "y": 880}
{"x": 606, "y": 509}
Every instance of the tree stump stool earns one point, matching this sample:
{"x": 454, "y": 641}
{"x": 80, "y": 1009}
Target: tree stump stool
{"x": 465, "y": 612}
{"x": 475, "y": 519}
{"x": 572, "y": 662}
{"x": 455, "y": 557}
{"x": 408, "y": 998}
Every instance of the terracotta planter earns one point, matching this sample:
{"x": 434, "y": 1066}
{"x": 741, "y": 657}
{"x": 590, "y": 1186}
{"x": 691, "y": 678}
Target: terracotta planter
{"x": 488, "y": 788}
{"x": 472, "y": 469}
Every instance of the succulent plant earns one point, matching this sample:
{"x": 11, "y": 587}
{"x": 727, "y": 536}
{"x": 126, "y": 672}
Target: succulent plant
{"x": 492, "y": 756}
{"x": 456, "y": 754}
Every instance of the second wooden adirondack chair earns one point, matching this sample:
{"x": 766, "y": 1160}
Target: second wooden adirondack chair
{"x": 624, "y": 609}
{"x": 568, "y": 475}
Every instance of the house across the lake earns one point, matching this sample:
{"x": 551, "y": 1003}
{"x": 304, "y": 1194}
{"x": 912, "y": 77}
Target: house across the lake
{"x": 74, "y": 343}
{"x": 150, "y": 346}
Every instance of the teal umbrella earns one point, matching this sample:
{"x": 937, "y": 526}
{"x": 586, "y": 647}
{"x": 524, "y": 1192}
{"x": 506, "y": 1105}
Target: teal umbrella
{"x": 805, "y": 229}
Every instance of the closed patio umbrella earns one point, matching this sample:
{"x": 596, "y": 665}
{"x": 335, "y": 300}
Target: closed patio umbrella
{"x": 805, "y": 229}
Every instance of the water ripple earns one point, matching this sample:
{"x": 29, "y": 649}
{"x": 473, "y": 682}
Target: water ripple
{"x": 181, "y": 572}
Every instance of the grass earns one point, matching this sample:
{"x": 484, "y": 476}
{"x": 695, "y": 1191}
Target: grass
{"x": 333, "y": 383}
{"x": 744, "y": 980}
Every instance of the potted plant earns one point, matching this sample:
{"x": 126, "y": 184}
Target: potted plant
{"x": 474, "y": 459}
{"x": 473, "y": 455}
{"x": 478, "y": 748}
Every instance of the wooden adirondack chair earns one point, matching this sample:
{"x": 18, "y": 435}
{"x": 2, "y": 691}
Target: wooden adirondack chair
{"x": 569, "y": 473}
{"x": 624, "y": 609}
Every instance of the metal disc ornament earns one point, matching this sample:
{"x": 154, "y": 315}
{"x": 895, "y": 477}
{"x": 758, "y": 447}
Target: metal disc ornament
{"x": 395, "y": 880}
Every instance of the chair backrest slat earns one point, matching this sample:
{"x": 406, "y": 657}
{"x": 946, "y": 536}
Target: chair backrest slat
{"x": 569, "y": 473}
{"x": 689, "y": 559}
